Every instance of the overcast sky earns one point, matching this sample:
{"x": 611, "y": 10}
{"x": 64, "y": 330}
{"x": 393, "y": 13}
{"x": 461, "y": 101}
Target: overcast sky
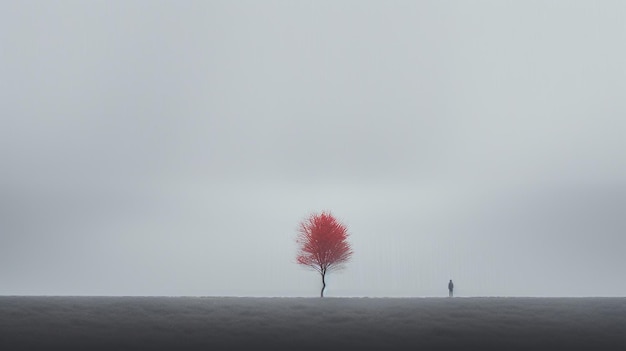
{"x": 172, "y": 147}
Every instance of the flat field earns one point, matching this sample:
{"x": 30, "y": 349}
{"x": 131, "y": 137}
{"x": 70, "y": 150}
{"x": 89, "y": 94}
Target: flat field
{"x": 245, "y": 323}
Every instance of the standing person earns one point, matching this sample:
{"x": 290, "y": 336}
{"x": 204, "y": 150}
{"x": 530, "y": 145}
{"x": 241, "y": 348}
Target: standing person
{"x": 450, "y": 288}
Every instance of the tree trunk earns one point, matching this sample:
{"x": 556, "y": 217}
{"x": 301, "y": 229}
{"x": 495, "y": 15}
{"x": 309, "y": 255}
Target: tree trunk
{"x": 323, "y": 284}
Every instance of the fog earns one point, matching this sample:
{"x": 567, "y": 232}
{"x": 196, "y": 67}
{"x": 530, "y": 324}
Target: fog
{"x": 172, "y": 148}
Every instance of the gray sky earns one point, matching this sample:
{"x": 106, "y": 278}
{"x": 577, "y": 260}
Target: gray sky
{"x": 172, "y": 147}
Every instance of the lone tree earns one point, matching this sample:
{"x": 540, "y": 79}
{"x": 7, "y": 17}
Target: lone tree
{"x": 323, "y": 244}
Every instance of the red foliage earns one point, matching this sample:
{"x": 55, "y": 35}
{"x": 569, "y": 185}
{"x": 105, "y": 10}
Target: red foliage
{"x": 323, "y": 243}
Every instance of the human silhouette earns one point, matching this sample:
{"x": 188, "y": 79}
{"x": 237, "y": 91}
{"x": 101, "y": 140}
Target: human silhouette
{"x": 450, "y": 288}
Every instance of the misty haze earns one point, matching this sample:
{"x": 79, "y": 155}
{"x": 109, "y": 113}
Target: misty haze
{"x": 171, "y": 148}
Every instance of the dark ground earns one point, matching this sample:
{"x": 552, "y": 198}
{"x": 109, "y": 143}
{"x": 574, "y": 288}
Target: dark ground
{"x": 225, "y": 323}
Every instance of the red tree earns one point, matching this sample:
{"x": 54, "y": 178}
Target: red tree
{"x": 323, "y": 244}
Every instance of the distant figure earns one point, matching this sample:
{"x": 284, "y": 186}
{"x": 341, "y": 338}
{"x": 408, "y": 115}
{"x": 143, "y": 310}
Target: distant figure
{"x": 450, "y": 288}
